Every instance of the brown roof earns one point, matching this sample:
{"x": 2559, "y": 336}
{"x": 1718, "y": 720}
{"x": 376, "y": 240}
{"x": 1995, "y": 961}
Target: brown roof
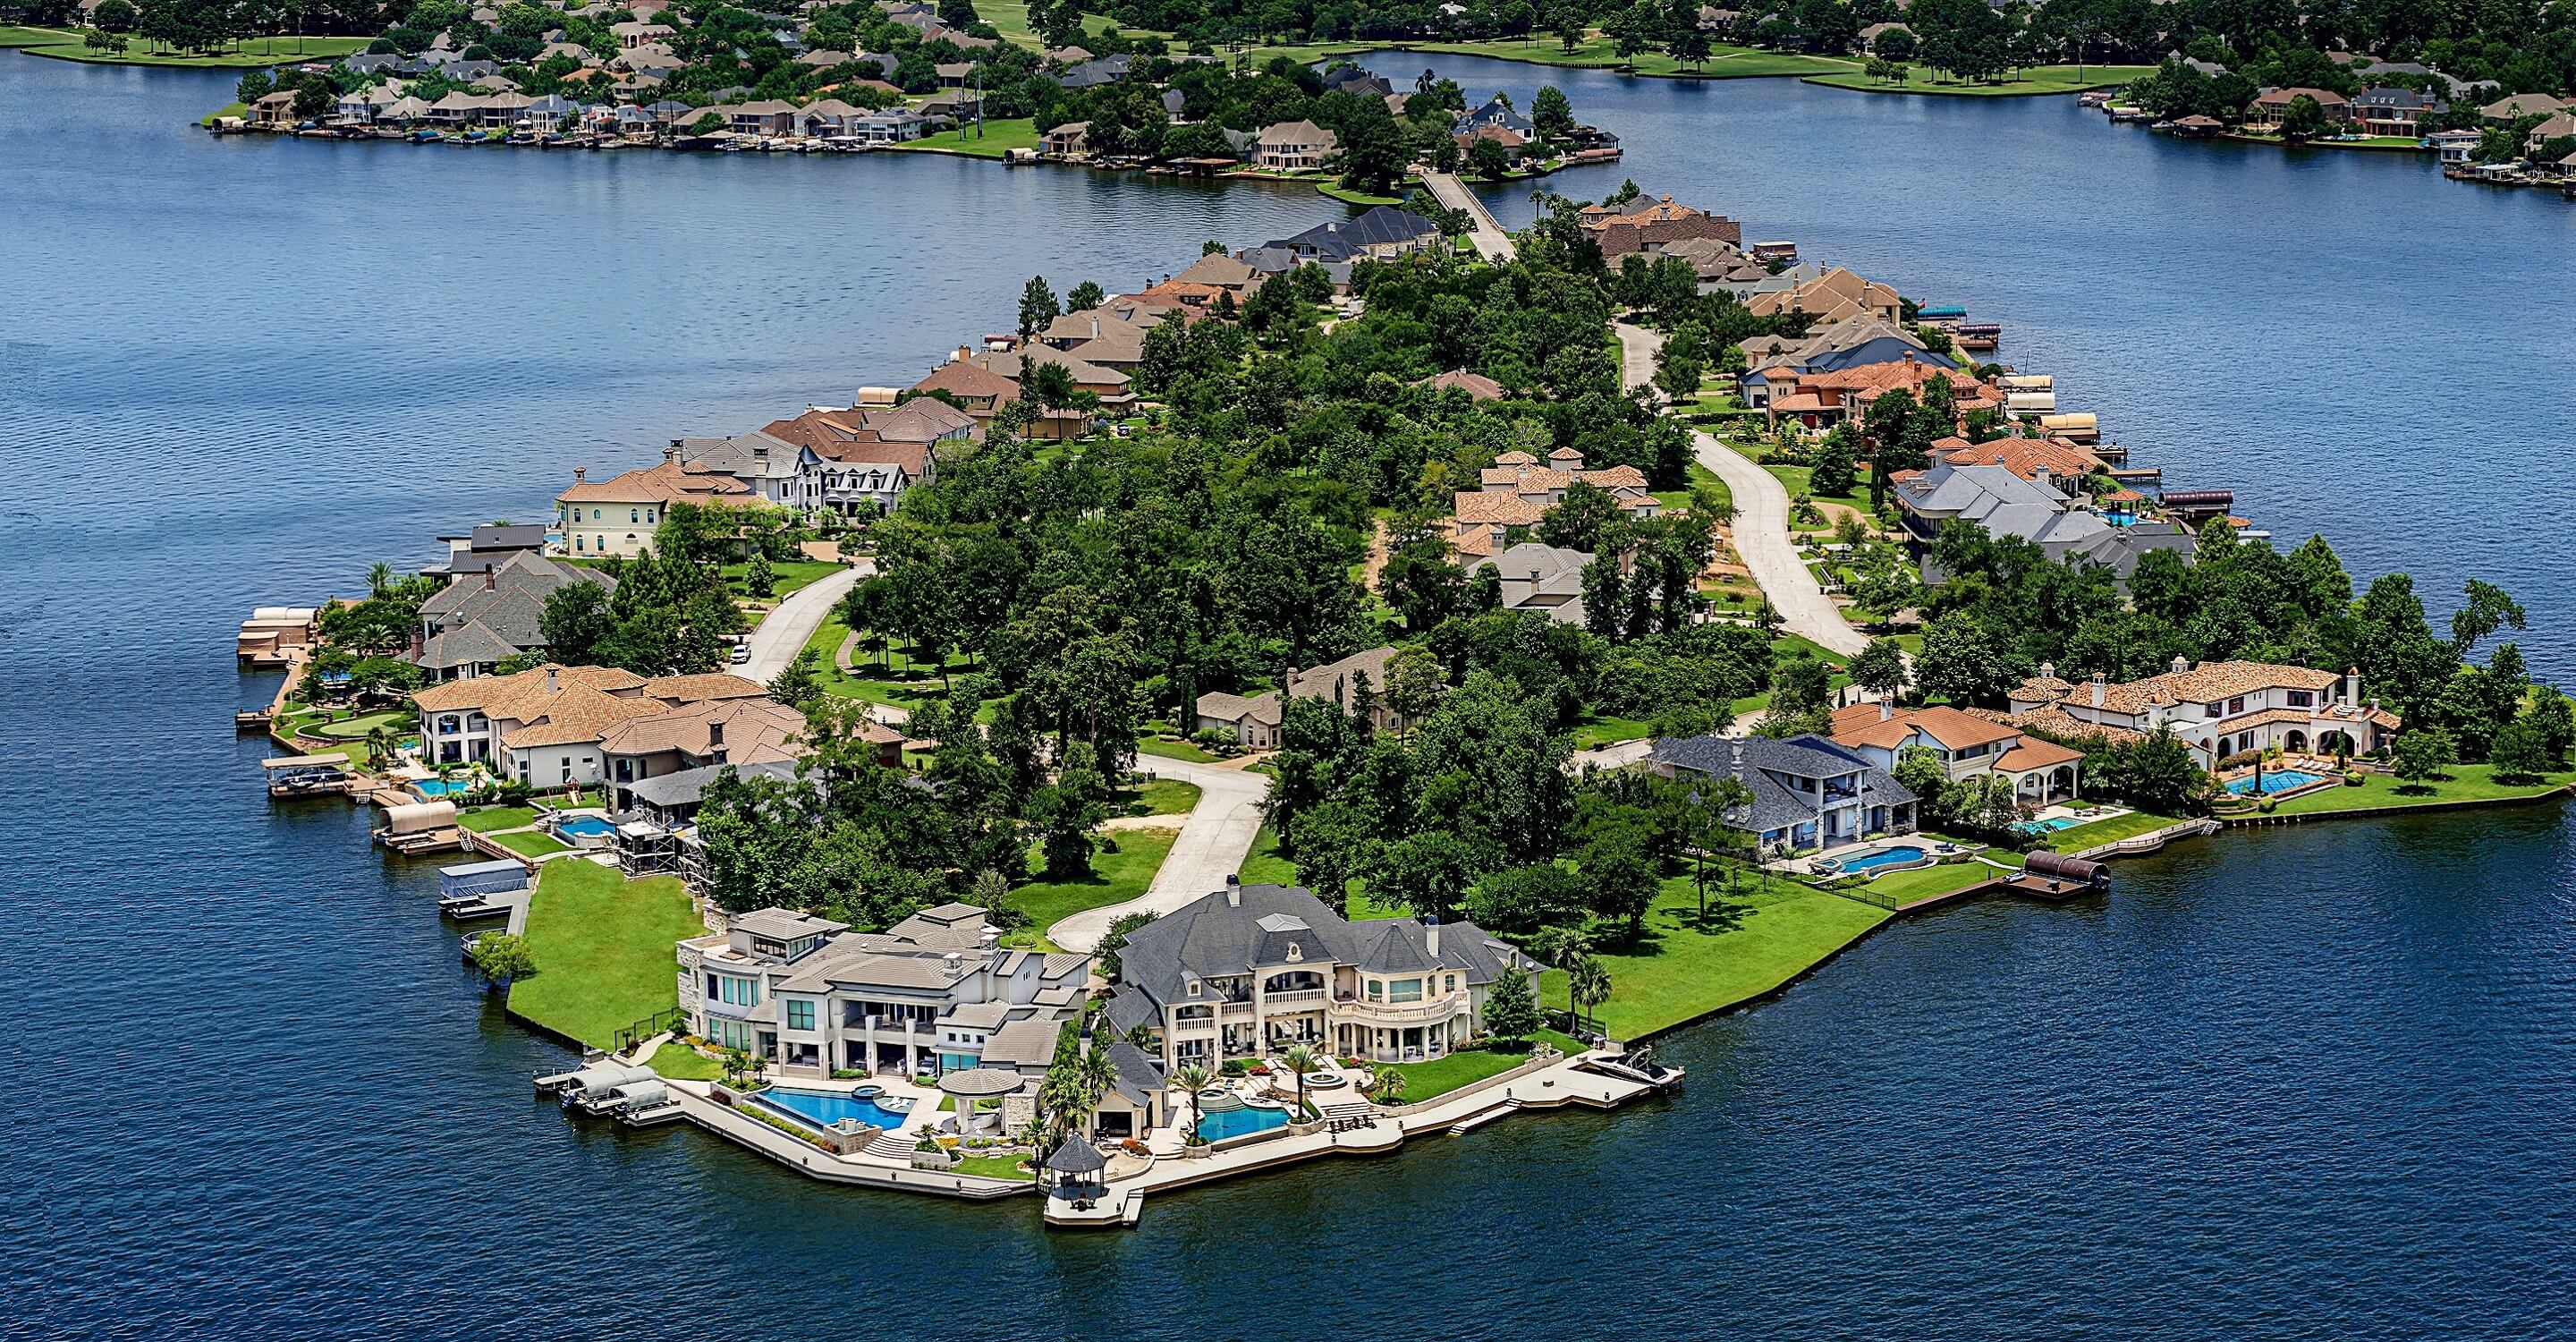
{"x": 1658, "y": 225}
{"x": 1953, "y": 729}
{"x": 972, "y": 380}
{"x": 666, "y": 483}
{"x": 496, "y": 696}
{"x": 2057, "y": 723}
{"x": 2036, "y": 754}
{"x": 755, "y": 730}
{"x": 704, "y": 685}
{"x": 1477, "y": 386}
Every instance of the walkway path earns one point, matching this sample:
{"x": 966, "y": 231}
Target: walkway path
{"x": 785, "y": 631}
{"x": 1761, "y": 527}
{"x": 1483, "y": 228}
{"x": 1214, "y": 840}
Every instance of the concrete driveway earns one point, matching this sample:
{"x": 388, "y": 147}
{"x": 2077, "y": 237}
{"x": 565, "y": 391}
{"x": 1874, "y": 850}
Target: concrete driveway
{"x": 1214, "y": 840}
{"x": 784, "y": 631}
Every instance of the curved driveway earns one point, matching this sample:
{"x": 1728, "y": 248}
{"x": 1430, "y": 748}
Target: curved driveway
{"x": 1761, "y": 526}
{"x": 1213, "y": 842}
{"x": 785, "y": 630}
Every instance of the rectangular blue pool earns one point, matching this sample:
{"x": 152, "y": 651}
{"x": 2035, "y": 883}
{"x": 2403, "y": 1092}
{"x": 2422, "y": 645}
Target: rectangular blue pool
{"x": 2049, "y": 826}
{"x": 1252, "y": 1118}
{"x": 2274, "y": 780}
{"x": 823, "y": 1108}
{"x": 1884, "y": 857}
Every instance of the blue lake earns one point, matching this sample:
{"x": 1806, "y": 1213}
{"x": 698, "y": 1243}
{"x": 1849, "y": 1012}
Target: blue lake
{"x": 2306, "y": 1082}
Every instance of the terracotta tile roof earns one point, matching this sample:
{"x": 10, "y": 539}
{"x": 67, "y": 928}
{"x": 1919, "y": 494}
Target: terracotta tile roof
{"x": 1477, "y": 386}
{"x": 702, "y": 686}
{"x": 749, "y": 725}
{"x": 667, "y": 483}
{"x": 2033, "y": 753}
{"x": 1954, "y": 729}
{"x": 2058, "y": 723}
{"x": 2207, "y": 683}
{"x": 972, "y": 381}
{"x": 2039, "y": 689}
{"x": 1496, "y": 507}
{"x": 2025, "y": 457}
{"x": 496, "y": 696}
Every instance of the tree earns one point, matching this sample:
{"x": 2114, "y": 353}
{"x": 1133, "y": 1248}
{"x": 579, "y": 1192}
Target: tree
{"x": 1879, "y": 668}
{"x": 758, "y": 578}
{"x": 1190, "y": 1078}
{"x": 2160, "y": 774}
{"x": 1413, "y": 684}
{"x": 314, "y": 97}
{"x": 1037, "y": 306}
{"x": 1083, "y": 297}
{"x": 2303, "y": 119}
{"x": 2521, "y": 754}
{"x": 576, "y": 621}
{"x": 1511, "y": 1009}
{"x": 1587, "y": 986}
{"x": 1622, "y": 878}
{"x": 2423, "y": 757}
{"x": 1115, "y": 940}
{"x": 1490, "y": 160}
{"x": 800, "y": 684}
{"x": 1689, "y": 46}
{"x": 1424, "y": 874}
{"x": 1301, "y": 1059}
{"x": 1551, "y": 114}
{"x": 113, "y": 16}
{"x": 254, "y": 85}
{"x": 500, "y": 958}
{"x": 1963, "y": 662}
{"x": 1837, "y": 468}
{"x": 1919, "y": 770}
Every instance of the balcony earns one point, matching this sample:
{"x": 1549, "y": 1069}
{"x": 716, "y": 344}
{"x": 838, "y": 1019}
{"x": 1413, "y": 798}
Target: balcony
{"x": 1294, "y": 999}
{"x": 1236, "y": 1011}
{"x": 1441, "y": 1007}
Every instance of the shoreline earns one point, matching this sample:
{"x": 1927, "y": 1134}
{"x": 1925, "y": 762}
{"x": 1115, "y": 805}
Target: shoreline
{"x": 58, "y": 44}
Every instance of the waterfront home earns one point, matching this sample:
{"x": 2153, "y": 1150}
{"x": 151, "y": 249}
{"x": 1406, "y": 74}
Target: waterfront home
{"x": 2395, "y": 111}
{"x": 1497, "y": 112}
{"x": 1253, "y": 720}
{"x": 1809, "y": 794}
{"x": 487, "y": 547}
{"x": 1252, "y": 969}
{"x": 551, "y": 114}
{"x": 1108, "y": 384}
{"x": 854, "y": 456}
{"x": 2269, "y": 107}
{"x": 1719, "y": 267}
{"x": 1657, "y": 225}
{"x": 1820, "y": 400}
{"x": 974, "y": 387}
{"x": 1293, "y": 146}
{"x": 274, "y": 110}
{"x": 2006, "y": 504}
{"x": 1540, "y": 578}
{"x": 927, "y": 995}
{"x": 892, "y": 126}
{"x": 483, "y": 618}
{"x": 772, "y": 469}
{"x": 1773, "y": 364}
{"x": 1831, "y": 297}
{"x": 1967, "y": 746}
{"x": 542, "y": 726}
{"x": 1381, "y": 234}
{"x": 2221, "y": 709}
{"x": 1516, "y": 492}
{"x": 2514, "y": 107}
{"x": 1518, "y": 148}
{"x": 2556, "y": 126}
{"x": 1477, "y": 386}
{"x": 1217, "y": 270}
{"x": 742, "y": 730}
{"x": 616, "y": 516}
{"x": 2035, "y": 459}
{"x": 1070, "y": 140}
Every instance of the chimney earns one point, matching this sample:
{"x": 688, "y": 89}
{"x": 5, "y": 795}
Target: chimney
{"x": 2048, "y": 670}
{"x": 2039, "y": 476}
{"x": 2352, "y": 684}
{"x": 1431, "y": 935}
{"x": 580, "y": 473}
{"x": 1234, "y": 891}
{"x": 489, "y": 580}
{"x": 554, "y": 680}
{"x": 1886, "y": 709}
{"x": 759, "y": 452}
{"x": 2097, "y": 689}
{"x": 2180, "y": 664}
{"x": 715, "y": 739}
{"x": 670, "y": 454}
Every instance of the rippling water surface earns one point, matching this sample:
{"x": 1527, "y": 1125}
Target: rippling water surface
{"x": 2307, "y": 1083}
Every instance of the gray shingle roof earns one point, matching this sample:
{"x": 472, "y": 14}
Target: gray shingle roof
{"x": 1210, "y": 938}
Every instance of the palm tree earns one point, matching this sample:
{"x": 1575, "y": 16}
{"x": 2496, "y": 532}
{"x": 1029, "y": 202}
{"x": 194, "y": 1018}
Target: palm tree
{"x": 1386, "y": 1085}
{"x": 1301, "y": 1060}
{"x": 380, "y": 745}
{"x": 380, "y": 578}
{"x": 1589, "y": 984}
{"x": 1190, "y": 1079}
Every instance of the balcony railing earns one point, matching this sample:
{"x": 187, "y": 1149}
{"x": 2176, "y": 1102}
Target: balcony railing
{"x": 1433, "y": 1008}
{"x": 1294, "y": 997}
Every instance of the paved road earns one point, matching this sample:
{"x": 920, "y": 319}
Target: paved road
{"x": 785, "y": 630}
{"x": 1761, "y": 527}
{"x": 1637, "y": 347}
{"x": 1213, "y": 842}
{"x": 1491, "y": 241}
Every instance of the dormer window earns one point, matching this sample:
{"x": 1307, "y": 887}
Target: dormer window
{"x": 1194, "y": 987}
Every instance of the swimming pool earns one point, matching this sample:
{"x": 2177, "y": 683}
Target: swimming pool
{"x": 1883, "y": 857}
{"x": 2274, "y": 780}
{"x": 584, "y": 827}
{"x": 1218, "y": 1125}
{"x": 823, "y": 1108}
{"x": 440, "y": 787}
{"x": 2049, "y": 826}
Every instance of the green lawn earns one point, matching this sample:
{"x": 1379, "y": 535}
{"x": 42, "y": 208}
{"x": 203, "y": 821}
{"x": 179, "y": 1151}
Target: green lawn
{"x": 397, "y": 721}
{"x": 2379, "y": 792}
{"x": 1115, "y": 878}
{"x": 1161, "y": 796}
{"x": 1701, "y": 477}
{"x": 2099, "y": 832}
{"x": 2034, "y": 80}
{"x": 484, "y": 820}
{"x": 889, "y": 677}
{"x": 786, "y": 576}
{"x": 1727, "y": 62}
{"x": 1751, "y": 945}
{"x": 680, "y": 1062}
{"x": 1351, "y": 197}
{"x": 993, "y": 1167}
{"x": 66, "y": 44}
{"x": 533, "y": 843}
{"x": 1263, "y": 865}
{"x": 999, "y": 136}
{"x": 604, "y": 950}
{"x": 1897, "y": 889}
{"x": 1591, "y": 733}
{"x": 1439, "y": 1076}
{"x": 1795, "y": 477}
{"x": 1173, "y": 750}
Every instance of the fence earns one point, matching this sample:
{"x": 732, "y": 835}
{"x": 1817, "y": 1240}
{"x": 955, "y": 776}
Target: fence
{"x": 669, "y": 1018}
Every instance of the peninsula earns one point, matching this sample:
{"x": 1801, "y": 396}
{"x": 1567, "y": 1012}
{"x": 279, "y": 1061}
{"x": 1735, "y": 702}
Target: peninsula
{"x": 1349, "y": 690}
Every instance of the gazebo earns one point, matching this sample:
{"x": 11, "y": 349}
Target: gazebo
{"x": 975, "y": 1084}
{"x": 1073, "y": 1170}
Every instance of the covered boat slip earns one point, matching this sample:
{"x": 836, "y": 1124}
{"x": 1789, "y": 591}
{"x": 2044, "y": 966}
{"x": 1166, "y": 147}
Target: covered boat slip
{"x": 482, "y": 878}
{"x": 306, "y": 775}
{"x": 420, "y": 827}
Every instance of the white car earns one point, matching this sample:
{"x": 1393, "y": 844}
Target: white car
{"x": 741, "y": 653}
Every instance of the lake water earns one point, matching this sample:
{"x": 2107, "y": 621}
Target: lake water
{"x": 2306, "y": 1083}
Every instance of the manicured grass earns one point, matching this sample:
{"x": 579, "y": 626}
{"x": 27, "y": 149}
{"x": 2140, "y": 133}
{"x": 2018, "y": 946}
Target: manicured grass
{"x": 2099, "y": 832}
{"x": 604, "y": 950}
{"x": 1591, "y": 733}
{"x": 787, "y": 575}
{"x": 1701, "y": 479}
{"x": 1796, "y": 477}
{"x": 490, "y": 818}
{"x": 999, "y": 136}
{"x": 1350, "y": 197}
{"x": 1115, "y": 878}
{"x": 1263, "y": 865}
{"x": 679, "y": 1062}
{"x": 1162, "y": 796}
{"x": 1749, "y": 946}
{"x": 2379, "y": 792}
{"x": 1439, "y": 1076}
{"x": 2033, "y": 80}
{"x": 66, "y": 44}
{"x": 889, "y": 677}
{"x": 993, "y": 1167}
{"x": 355, "y": 729}
{"x": 1173, "y": 750}
{"x": 1598, "y": 52}
{"x": 532, "y": 843}
{"x": 1897, "y": 889}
